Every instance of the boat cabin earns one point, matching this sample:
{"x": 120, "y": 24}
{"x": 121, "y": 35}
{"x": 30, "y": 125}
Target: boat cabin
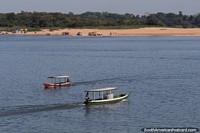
{"x": 104, "y": 96}
{"x": 59, "y": 79}
{"x": 101, "y": 94}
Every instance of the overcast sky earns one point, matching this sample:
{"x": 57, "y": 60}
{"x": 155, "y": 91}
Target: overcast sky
{"x": 136, "y": 7}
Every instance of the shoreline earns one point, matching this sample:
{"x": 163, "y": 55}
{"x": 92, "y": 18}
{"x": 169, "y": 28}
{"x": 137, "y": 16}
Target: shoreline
{"x": 113, "y": 32}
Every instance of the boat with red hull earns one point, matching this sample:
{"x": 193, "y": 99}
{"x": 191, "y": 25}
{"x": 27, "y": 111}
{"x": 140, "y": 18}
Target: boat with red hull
{"x": 57, "y": 82}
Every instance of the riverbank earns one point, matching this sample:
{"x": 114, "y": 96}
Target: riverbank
{"x": 115, "y": 32}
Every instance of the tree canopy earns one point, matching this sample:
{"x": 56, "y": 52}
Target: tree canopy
{"x": 97, "y": 19}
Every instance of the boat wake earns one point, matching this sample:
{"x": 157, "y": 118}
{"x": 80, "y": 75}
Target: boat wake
{"x": 124, "y": 100}
{"x": 98, "y": 81}
{"x": 18, "y": 110}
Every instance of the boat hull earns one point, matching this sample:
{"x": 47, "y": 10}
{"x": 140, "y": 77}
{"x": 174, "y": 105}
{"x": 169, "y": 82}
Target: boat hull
{"x": 108, "y": 101}
{"x": 57, "y": 85}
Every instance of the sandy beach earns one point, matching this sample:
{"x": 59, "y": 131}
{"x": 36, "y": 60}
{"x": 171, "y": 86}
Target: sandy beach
{"x": 119, "y": 32}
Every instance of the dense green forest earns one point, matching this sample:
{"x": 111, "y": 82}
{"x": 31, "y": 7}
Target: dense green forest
{"x": 37, "y": 20}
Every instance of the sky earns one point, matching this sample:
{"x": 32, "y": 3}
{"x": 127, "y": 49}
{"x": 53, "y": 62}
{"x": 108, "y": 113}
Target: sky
{"x": 136, "y": 7}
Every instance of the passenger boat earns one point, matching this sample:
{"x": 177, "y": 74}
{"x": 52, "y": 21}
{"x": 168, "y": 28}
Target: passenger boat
{"x": 104, "y": 96}
{"x": 57, "y": 81}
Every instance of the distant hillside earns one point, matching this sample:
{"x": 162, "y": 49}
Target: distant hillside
{"x": 97, "y": 20}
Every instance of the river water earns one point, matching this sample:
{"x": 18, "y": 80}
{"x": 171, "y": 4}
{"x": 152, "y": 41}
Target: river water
{"x": 161, "y": 73}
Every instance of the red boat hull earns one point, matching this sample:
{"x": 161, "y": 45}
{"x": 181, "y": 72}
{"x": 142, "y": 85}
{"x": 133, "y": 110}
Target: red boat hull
{"x": 57, "y": 85}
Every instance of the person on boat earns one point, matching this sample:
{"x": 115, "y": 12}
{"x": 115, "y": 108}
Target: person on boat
{"x": 87, "y": 98}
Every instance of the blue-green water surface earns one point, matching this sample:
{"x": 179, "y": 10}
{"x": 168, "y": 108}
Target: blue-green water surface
{"x": 161, "y": 73}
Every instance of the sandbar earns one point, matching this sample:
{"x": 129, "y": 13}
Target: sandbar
{"x": 116, "y": 32}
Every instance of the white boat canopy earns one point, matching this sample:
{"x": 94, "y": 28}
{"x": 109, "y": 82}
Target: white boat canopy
{"x": 58, "y": 77}
{"x": 102, "y": 89}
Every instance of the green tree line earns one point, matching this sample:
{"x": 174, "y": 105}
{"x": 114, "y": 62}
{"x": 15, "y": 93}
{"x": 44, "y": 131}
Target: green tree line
{"x": 97, "y": 19}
